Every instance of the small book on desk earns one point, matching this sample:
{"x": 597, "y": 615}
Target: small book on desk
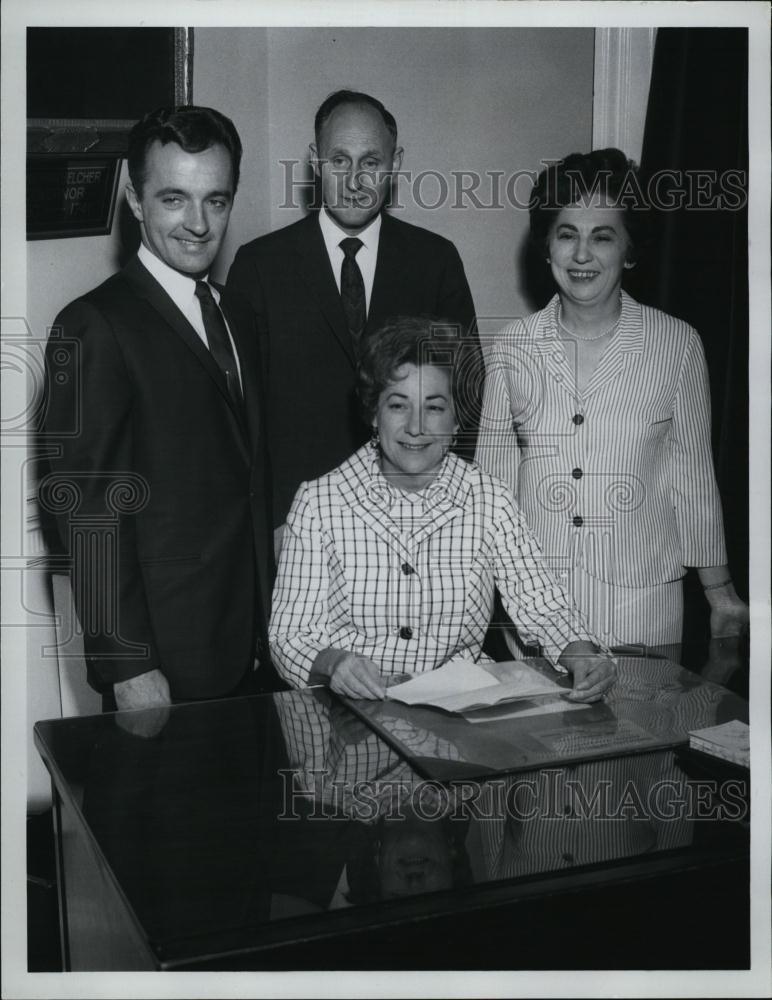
{"x": 462, "y": 686}
{"x": 729, "y": 741}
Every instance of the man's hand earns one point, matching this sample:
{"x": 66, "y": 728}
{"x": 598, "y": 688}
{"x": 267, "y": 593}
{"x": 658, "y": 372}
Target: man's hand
{"x": 593, "y": 674}
{"x": 357, "y": 677}
{"x": 150, "y": 690}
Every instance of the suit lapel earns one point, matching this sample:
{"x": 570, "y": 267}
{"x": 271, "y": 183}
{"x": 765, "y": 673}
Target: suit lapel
{"x": 146, "y": 287}
{"x": 624, "y": 349}
{"x": 389, "y": 265}
{"x": 316, "y": 272}
{"x": 245, "y": 338}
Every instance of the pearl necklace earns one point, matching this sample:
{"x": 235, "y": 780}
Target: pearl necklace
{"x": 598, "y": 336}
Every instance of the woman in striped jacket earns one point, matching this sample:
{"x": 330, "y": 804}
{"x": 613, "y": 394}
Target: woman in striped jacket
{"x": 597, "y": 414}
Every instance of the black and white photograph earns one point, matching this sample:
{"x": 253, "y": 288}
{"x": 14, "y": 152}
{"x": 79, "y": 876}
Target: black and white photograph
{"x": 385, "y": 450}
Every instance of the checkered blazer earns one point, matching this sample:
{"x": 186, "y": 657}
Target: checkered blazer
{"x": 408, "y": 580}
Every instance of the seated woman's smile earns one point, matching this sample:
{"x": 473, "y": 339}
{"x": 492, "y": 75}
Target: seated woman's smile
{"x": 415, "y": 422}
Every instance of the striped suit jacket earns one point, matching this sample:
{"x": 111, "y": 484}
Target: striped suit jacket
{"x": 618, "y": 480}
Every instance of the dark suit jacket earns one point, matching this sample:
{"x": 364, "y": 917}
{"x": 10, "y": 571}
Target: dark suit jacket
{"x": 153, "y": 454}
{"x": 287, "y": 277}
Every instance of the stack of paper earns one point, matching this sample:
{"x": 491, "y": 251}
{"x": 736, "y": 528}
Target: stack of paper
{"x": 730, "y": 741}
{"x": 461, "y": 686}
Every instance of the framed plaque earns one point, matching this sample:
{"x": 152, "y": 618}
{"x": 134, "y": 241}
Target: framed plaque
{"x": 86, "y": 88}
{"x": 70, "y": 195}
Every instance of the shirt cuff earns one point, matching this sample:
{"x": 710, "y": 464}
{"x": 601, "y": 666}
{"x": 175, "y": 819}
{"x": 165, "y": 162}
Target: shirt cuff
{"x": 325, "y": 662}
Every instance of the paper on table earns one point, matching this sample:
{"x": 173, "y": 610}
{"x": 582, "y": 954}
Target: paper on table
{"x": 460, "y": 686}
{"x": 523, "y": 709}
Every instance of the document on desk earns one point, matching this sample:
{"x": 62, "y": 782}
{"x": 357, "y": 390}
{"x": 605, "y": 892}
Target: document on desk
{"x": 463, "y": 686}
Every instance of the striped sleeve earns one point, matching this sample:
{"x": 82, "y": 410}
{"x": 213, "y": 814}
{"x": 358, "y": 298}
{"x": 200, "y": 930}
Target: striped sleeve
{"x": 497, "y": 450}
{"x": 534, "y": 600}
{"x": 299, "y": 620}
{"x": 695, "y": 494}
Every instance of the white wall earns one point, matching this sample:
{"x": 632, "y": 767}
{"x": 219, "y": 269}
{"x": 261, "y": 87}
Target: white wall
{"x": 60, "y": 270}
{"x": 57, "y": 272}
{"x": 230, "y": 73}
{"x": 477, "y": 99}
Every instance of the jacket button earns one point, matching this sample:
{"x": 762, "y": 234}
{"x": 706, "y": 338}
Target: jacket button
{"x": 406, "y": 632}
{"x": 577, "y": 473}
{"x": 578, "y": 419}
{"x": 407, "y": 569}
{"x": 578, "y": 521}
{"x": 567, "y": 857}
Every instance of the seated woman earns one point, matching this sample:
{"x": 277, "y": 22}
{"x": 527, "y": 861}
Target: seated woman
{"x": 389, "y": 562}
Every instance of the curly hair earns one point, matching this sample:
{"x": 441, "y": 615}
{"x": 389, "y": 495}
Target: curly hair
{"x": 576, "y": 179}
{"x": 419, "y": 341}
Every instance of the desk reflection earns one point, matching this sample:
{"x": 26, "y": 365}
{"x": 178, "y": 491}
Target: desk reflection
{"x": 242, "y": 813}
{"x": 417, "y": 835}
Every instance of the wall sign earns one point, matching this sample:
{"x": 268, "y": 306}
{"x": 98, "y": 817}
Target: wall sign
{"x": 86, "y": 88}
{"x": 70, "y": 196}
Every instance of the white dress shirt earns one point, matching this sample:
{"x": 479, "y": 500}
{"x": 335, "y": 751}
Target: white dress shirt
{"x": 367, "y": 254}
{"x": 407, "y": 580}
{"x": 181, "y": 289}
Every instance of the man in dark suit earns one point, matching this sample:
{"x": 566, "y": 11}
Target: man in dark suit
{"x": 317, "y": 284}
{"x": 159, "y": 475}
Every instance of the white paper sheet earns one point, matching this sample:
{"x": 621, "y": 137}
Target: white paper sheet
{"x": 461, "y": 685}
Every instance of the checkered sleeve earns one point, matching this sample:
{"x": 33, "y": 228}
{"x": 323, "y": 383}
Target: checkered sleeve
{"x": 534, "y": 600}
{"x": 299, "y": 620}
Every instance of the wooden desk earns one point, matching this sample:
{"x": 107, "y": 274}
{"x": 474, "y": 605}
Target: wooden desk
{"x": 281, "y": 832}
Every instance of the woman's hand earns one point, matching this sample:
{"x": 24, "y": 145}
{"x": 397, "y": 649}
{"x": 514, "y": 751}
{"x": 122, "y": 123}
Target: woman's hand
{"x": 593, "y": 673}
{"x": 729, "y": 615}
{"x": 355, "y": 676}
{"x": 729, "y": 620}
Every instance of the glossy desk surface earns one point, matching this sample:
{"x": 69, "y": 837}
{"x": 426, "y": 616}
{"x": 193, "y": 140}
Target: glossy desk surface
{"x": 250, "y": 822}
{"x": 654, "y": 705}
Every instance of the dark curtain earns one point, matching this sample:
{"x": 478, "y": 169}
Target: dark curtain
{"x": 697, "y": 267}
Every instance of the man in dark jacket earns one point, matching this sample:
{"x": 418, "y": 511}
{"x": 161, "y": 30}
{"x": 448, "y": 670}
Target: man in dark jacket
{"x": 316, "y": 285}
{"x": 159, "y": 475}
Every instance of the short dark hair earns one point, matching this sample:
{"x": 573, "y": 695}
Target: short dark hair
{"x": 342, "y": 97}
{"x": 421, "y": 340}
{"x": 193, "y": 128}
{"x": 579, "y": 176}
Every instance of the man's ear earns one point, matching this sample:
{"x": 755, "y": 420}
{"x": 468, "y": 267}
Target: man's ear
{"x": 315, "y": 159}
{"x": 396, "y": 163}
{"x": 133, "y": 200}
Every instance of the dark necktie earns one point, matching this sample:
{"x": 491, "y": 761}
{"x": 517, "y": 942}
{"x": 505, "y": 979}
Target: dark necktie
{"x": 219, "y": 341}
{"x": 352, "y": 290}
